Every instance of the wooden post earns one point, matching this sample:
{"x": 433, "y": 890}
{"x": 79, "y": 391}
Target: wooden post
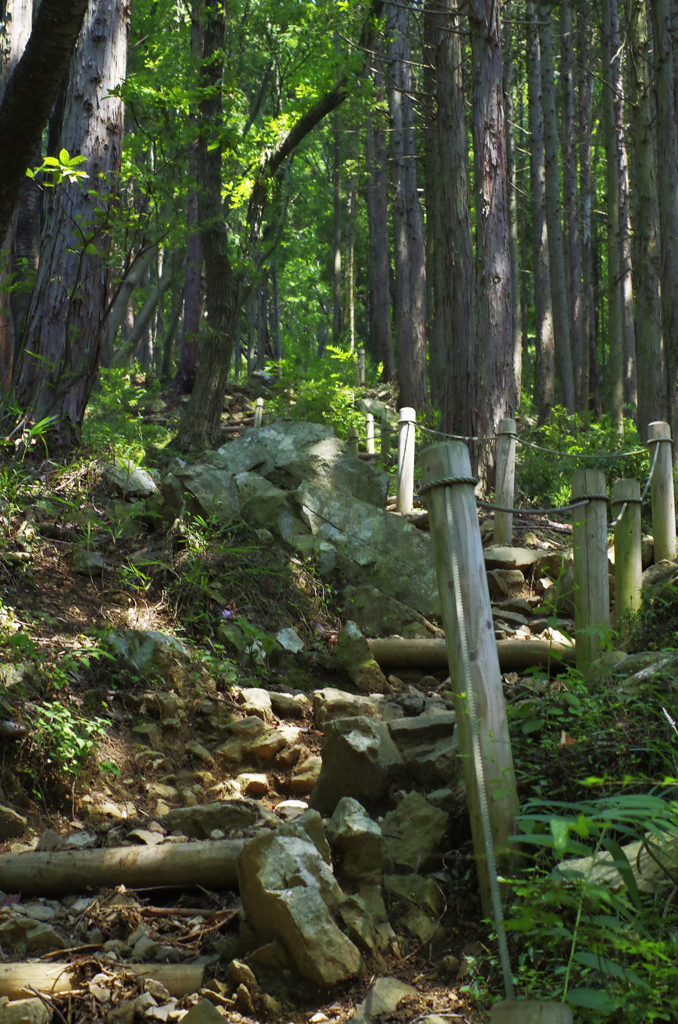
{"x": 441, "y": 461}
{"x": 369, "y": 429}
{"x": 628, "y": 563}
{"x": 259, "y": 413}
{"x": 591, "y": 582}
{"x": 361, "y": 367}
{"x": 385, "y": 440}
{"x": 505, "y": 480}
{"x": 663, "y": 501}
{"x": 352, "y": 438}
{"x": 406, "y": 433}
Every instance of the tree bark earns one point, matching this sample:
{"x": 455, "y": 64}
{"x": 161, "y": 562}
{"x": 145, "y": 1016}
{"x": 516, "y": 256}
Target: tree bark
{"x": 590, "y": 391}
{"x": 561, "y": 319}
{"x": 544, "y": 374}
{"x": 262, "y": 324}
{"x": 650, "y": 351}
{"x": 408, "y": 225}
{"x": 571, "y": 210}
{"x": 667, "y": 167}
{"x": 140, "y": 334}
{"x": 509, "y": 73}
{"x": 336, "y": 269}
{"x": 65, "y": 322}
{"x": 277, "y": 333}
{"x": 377, "y": 211}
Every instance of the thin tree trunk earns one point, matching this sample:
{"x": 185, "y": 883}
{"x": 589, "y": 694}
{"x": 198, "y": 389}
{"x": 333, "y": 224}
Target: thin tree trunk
{"x": 141, "y": 335}
{"x": 667, "y": 178}
{"x": 66, "y": 319}
{"x": 336, "y": 187}
{"x": 571, "y": 209}
{"x": 650, "y": 353}
{"x": 435, "y": 272}
{"x": 589, "y": 371}
{"x": 408, "y": 226}
{"x": 262, "y": 324}
{"x": 120, "y": 311}
{"x": 277, "y": 333}
{"x": 544, "y": 374}
{"x": 251, "y": 330}
{"x": 377, "y": 209}
{"x": 561, "y": 318}
{"x": 509, "y": 72}
{"x": 525, "y": 243}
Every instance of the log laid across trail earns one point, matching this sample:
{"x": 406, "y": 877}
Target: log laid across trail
{"x": 21, "y": 980}
{"x": 513, "y": 654}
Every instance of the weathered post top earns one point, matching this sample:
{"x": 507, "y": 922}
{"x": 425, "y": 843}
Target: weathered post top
{"x": 369, "y": 432}
{"x": 352, "y": 438}
{"x": 259, "y": 412}
{"x": 663, "y": 498}
{"x": 591, "y": 581}
{"x": 407, "y": 419}
{"x": 505, "y": 480}
{"x": 628, "y": 562}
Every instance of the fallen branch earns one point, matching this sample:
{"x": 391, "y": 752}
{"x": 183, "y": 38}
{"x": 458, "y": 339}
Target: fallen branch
{"x": 67, "y": 873}
{"x": 17, "y": 980}
{"x": 513, "y": 654}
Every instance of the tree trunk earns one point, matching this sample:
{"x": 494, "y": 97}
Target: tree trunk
{"x": 667, "y": 167}
{"x": 262, "y": 324}
{"x": 544, "y": 373}
{"x": 140, "y": 337}
{"x": 561, "y": 319}
{"x": 336, "y": 187}
{"x": 650, "y": 353}
{"x": 571, "y": 210}
{"x": 65, "y": 320}
{"x": 589, "y": 370}
{"x": 120, "y": 311}
{"x": 509, "y": 72}
{"x": 377, "y": 211}
{"x": 277, "y": 333}
{"x": 408, "y": 226}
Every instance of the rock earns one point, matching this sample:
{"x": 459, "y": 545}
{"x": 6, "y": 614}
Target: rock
{"x": 25, "y": 1011}
{"x": 288, "y": 756}
{"x": 130, "y": 479}
{"x": 564, "y": 592}
{"x": 48, "y": 841}
{"x": 305, "y": 774}
{"x": 200, "y": 821}
{"x": 498, "y": 557}
{"x": 376, "y": 614}
{"x": 383, "y": 999}
{"x": 290, "y": 640}
{"x": 40, "y": 912}
{"x": 12, "y": 824}
{"x": 291, "y": 809}
{"x": 86, "y": 562}
{"x": 241, "y": 735}
{"x": 240, "y": 974}
{"x": 265, "y": 505}
{"x": 647, "y": 551}
{"x": 123, "y": 1013}
{"x": 145, "y": 949}
{"x": 423, "y": 728}
{"x": 354, "y": 835}
{"x": 416, "y": 889}
{"x": 203, "y": 1012}
{"x": 421, "y": 925}
{"x": 256, "y": 701}
{"x": 659, "y": 573}
{"x": 289, "y": 892}
{"x": 287, "y": 705}
{"x": 358, "y": 758}
{"x": 202, "y": 753}
{"x": 312, "y": 824}
{"x": 355, "y": 657}
{"x": 649, "y": 876}
{"x": 413, "y": 833}
{"x": 503, "y": 583}
{"x": 148, "y": 652}
{"x": 373, "y": 546}
{"x": 42, "y": 938}
{"x": 432, "y": 765}
{"x": 253, "y": 784}
{"x": 359, "y": 924}
{"x": 330, "y": 704}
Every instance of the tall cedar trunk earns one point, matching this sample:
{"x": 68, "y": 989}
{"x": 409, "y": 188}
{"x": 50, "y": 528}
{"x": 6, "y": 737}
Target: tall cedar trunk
{"x": 408, "y": 226}
{"x": 336, "y": 187}
{"x": 277, "y": 333}
{"x": 144, "y": 352}
{"x": 15, "y": 29}
{"x": 512, "y": 177}
{"x": 435, "y": 328}
{"x": 561, "y": 318}
{"x": 544, "y": 373}
{"x": 251, "y": 330}
{"x": 25, "y": 252}
{"x": 454, "y": 272}
{"x": 64, "y": 329}
{"x": 377, "y": 210}
{"x": 614, "y": 251}
{"x": 590, "y": 389}
{"x": 525, "y": 243}
{"x": 571, "y": 210}
{"x": 495, "y": 383}
{"x": 262, "y": 326}
{"x": 650, "y": 351}
{"x": 193, "y": 291}
{"x": 351, "y": 204}
{"x": 667, "y": 179}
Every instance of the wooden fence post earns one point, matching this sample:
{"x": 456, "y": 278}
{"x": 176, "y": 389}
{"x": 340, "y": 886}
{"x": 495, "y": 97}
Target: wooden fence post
{"x": 369, "y": 430}
{"x": 441, "y": 462}
{"x": 663, "y": 500}
{"x": 259, "y": 413}
{"x": 385, "y": 440}
{"x": 352, "y": 438}
{"x": 628, "y": 562}
{"x": 591, "y": 582}
{"x": 505, "y": 480}
{"x": 406, "y": 434}
{"x": 361, "y": 367}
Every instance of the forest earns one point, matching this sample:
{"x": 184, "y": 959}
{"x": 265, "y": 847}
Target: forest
{"x": 264, "y": 266}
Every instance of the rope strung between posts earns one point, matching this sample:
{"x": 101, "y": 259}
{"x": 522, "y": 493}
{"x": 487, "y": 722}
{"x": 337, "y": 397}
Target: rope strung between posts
{"x": 530, "y": 444}
{"x": 475, "y": 739}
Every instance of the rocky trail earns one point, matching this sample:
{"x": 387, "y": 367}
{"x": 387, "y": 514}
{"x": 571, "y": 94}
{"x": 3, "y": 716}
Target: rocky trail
{"x": 268, "y": 823}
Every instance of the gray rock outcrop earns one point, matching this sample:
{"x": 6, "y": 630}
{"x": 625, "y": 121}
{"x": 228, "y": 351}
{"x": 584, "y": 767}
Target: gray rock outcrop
{"x": 358, "y": 840}
{"x": 358, "y": 759}
{"x": 413, "y": 834}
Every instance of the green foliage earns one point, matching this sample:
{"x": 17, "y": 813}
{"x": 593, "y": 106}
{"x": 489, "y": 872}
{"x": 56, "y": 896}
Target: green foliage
{"x": 64, "y": 737}
{"x": 110, "y": 419}
{"x": 323, "y": 392}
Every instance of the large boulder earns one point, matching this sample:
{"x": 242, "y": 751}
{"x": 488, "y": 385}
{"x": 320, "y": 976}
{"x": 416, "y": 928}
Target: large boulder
{"x": 359, "y": 759}
{"x": 131, "y": 479}
{"x": 331, "y": 704}
{"x": 358, "y": 839}
{"x": 147, "y": 651}
{"x": 200, "y": 821}
{"x": 413, "y": 834}
{"x": 373, "y": 545}
{"x": 289, "y": 893}
{"x": 378, "y": 615}
{"x": 357, "y": 660}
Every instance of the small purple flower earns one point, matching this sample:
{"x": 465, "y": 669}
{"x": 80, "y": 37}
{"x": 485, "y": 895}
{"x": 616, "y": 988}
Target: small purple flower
{"x": 226, "y": 613}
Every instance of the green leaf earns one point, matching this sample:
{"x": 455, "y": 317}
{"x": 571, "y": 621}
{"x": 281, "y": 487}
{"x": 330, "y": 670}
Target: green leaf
{"x": 533, "y": 725}
{"x": 607, "y": 966}
{"x": 624, "y": 868}
{"x": 560, "y": 829}
{"x": 592, "y": 999}
{"x": 64, "y": 157}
